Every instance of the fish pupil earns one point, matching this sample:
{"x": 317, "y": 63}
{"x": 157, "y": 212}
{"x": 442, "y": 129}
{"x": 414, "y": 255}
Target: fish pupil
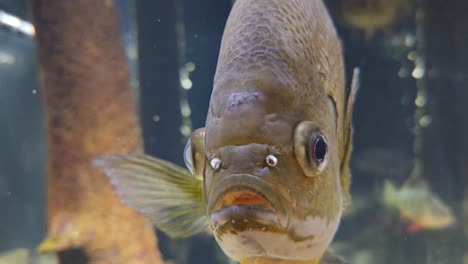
{"x": 320, "y": 149}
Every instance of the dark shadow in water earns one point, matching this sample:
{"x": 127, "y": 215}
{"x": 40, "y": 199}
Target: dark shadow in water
{"x": 73, "y": 256}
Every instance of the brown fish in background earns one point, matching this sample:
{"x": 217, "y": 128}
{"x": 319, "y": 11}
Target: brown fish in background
{"x": 372, "y": 15}
{"x": 269, "y": 173}
{"x": 418, "y": 205}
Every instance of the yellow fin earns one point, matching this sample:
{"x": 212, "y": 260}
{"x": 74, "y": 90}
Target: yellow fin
{"x": 165, "y": 193}
{"x": 49, "y": 245}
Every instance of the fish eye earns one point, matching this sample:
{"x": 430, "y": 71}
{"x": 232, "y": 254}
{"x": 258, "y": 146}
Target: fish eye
{"x": 188, "y": 160}
{"x": 194, "y": 153}
{"x": 318, "y": 149}
{"x": 311, "y": 148}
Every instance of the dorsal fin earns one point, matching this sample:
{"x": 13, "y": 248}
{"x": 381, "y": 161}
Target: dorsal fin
{"x": 348, "y": 136}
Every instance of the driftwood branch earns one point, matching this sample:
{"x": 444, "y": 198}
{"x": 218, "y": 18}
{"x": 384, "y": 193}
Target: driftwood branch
{"x": 89, "y": 112}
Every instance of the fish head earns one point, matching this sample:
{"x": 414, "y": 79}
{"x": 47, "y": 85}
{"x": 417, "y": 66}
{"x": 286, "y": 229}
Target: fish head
{"x": 277, "y": 138}
{"x": 272, "y": 170}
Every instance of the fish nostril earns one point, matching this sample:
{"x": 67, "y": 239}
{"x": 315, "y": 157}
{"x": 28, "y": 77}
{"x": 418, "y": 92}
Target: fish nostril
{"x": 216, "y": 163}
{"x": 271, "y": 160}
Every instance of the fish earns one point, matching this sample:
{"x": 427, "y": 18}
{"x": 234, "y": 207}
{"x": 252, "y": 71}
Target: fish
{"x": 416, "y": 203}
{"x": 373, "y": 15}
{"x": 269, "y": 173}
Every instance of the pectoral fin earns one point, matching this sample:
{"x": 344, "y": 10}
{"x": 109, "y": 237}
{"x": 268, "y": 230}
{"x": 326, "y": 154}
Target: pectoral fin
{"x": 163, "y": 192}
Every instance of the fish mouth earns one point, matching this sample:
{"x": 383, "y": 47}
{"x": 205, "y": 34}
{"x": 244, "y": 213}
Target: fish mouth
{"x": 245, "y": 201}
{"x": 242, "y": 197}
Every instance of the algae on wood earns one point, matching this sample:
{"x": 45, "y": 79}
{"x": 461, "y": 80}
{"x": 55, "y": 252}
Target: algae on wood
{"x": 89, "y": 112}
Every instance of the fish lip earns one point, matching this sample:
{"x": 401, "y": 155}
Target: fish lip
{"x": 274, "y": 213}
{"x": 237, "y": 216}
